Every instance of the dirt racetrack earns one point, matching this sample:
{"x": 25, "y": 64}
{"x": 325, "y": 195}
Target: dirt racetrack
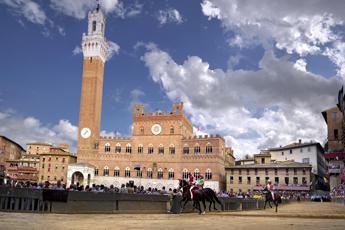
{"x": 305, "y": 215}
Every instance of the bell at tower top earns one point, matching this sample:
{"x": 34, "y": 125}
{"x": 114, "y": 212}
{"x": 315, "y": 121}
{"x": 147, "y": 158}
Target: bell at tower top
{"x": 96, "y": 22}
{"x": 94, "y": 43}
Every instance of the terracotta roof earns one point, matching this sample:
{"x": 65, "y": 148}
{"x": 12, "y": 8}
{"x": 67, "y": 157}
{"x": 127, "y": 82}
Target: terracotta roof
{"x": 298, "y": 145}
{"x": 278, "y": 164}
{"x": 38, "y": 143}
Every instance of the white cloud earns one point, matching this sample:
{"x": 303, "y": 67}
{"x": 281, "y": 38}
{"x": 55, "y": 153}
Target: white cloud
{"x": 28, "y": 9}
{"x": 135, "y": 97}
{"x": 77, "y": 50}
{"x": 301, "y": 65}
{"x": 301, "y": 28}
{"x": 128, "y": 11}
{"x": 273, "y": 106}
{"x": 79, "y": 8}
{"x": 29, "y": 129}
{"x": 105, "y": 133}
{"x": 169, "y": 16}
{"x": 210, "y": 10}
{"x": 61, "y": 31}
{"x": 113, "y": 49}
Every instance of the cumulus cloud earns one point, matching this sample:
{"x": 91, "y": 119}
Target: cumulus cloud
{"x": 28, "y": 9}
{"x": 169, "y": 16}
{"x": 301, "y": 65}
{"x": 113, "y": 49}
{"x": 127, "y": 11}
{"x": 269, "y": 107}
{"x": 77, "y": 50}
{"x": 301, "y": 28}
{"x": 29, "y": 129}
{"x": 79, "y": 8}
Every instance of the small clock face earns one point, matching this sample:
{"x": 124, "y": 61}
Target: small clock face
{"x": 156, "y": 129}
{"x": 85, "y": 133}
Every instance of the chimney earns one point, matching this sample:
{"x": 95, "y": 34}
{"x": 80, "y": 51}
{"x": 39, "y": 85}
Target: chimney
{"x": 299, "y": 141}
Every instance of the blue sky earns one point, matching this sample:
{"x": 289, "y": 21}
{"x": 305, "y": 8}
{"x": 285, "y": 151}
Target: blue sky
{"x": 260, "y": 79}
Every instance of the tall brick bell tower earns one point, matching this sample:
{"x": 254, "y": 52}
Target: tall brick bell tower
{"x": 95, "y": 50}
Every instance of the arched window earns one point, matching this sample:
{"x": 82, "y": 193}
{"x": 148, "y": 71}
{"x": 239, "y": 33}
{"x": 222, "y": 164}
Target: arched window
{"x": 196, "y": 174}
{"x": 139, "y": 173}
{"x": 185, "y": 149}
{"x": 208, "y": 174}
{"x": 185, "y": 174}
{"x": 172, "y": 149}
{"x": 172, "y": 130}
{"x": 94, "y": 26}
{"x": 128, "y": 148}
{"x": 208, "y": 148}
{"x": 96, "y": 171}
{"x": 150, "y": 149}
{"x": 161, "y": 149}
{"x": 106, "y": 171}
{"x": 197, "y": 149}
{"x": 149, "y": 173}
{"x": 142, "y": 130}
{"x": 107, "y": 147}
{"x": 117, "y": 172}
{"x": 160, "y": 173}
{"x": 140, "y": 149}
{"x": 127, "y": 172}
{"x": 118, "y": 148}
{"x": 171, "y": 174}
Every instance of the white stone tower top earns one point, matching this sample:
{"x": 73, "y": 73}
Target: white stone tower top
{"x": 94, "y": 43}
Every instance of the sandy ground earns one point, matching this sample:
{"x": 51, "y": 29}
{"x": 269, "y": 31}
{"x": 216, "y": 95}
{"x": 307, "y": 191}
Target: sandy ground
{"x": 293, "y": 216}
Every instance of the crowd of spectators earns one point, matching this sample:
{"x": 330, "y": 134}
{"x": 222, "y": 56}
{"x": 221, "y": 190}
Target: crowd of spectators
{"x": 259, "y": 195}
{"x": 338, "y": 191}
{"x": 125, "y": 188}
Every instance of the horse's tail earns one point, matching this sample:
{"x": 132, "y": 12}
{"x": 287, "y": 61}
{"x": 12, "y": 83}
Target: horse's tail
{"x": 213, "y": 195}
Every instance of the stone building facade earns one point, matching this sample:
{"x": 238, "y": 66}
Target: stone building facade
{"x": 54, "y": 164}
{"x": 334, "y": 120}
{"x": 23, "y": 169}
{"x": 285, "y": 175}
{"x": 335, "y": 152}
{"x": 162, "y": 148}
{"x": 9, "y": 150}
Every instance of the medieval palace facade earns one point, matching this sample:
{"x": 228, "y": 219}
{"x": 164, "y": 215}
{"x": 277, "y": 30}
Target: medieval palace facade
{"x": 162, "y": 148}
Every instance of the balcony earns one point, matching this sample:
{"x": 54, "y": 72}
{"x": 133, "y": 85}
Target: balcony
{"x": 24, "y": 177}
{"x": 22, "y": 169}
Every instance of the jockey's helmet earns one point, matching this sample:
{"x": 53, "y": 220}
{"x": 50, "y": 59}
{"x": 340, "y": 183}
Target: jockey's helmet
{"x": 269, "y": 181}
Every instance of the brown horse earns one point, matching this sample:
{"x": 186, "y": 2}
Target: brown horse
{"x": 268, "y": 198}
{"x": 198, "y": 196}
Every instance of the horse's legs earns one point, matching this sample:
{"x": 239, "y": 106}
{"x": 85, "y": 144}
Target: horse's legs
{"x": 209, "y": 207}
{"x": 269, "y": 202}
{"x": 214, "y": 204}
{"x": 276, "y": 203}
{"x": 203, "y": 202}
{"x": 184, "y": 204}
{"x": 199, "y": 208}
{"x": 265, "y": 204}
{"x": 181, "y": 207}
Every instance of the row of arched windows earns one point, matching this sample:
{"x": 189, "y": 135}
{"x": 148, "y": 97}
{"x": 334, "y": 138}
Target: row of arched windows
{"x": 160, "y": 173}
{"x": 150, "y": 149}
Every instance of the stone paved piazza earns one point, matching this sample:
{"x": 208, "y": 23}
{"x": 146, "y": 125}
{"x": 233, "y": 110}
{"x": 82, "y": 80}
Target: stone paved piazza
{"x": 303, "y": 215}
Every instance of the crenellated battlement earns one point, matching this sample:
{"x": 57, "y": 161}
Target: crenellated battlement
{"x": 138, "y": 111}
{"x": 115, "y": 138}
{"x": 198, "y": 137}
